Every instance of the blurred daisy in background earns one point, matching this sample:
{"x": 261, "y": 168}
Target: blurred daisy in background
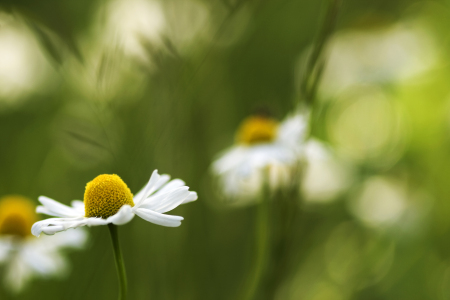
{"x": 262, "y": 145}
{"x": 108, "y": 200}
{"x": 24, "y": 256}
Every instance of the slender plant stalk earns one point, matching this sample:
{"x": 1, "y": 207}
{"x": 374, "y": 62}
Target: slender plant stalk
{"x": 262, "y": 246}
{"x": 316, "y": 62}
{"x": 119, "y": 262}
{"x": 283, "y": 253}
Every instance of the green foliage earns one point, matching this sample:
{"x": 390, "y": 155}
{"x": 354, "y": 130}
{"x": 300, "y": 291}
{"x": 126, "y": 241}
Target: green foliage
{"x": 176, "y": 102}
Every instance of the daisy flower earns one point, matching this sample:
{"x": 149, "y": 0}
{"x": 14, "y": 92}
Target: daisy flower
{"x": 108, "y": 200}
{"x": 263, "y": 146}
{"x": 24, "y": 256}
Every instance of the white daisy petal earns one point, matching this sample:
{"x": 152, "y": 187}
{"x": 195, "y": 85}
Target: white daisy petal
{"x": 5, "y": 248}
{"x": 18, "y": 273}
{"x": 54, "y": 225}
{"x": 51, "y": 230}
{"x": 292, "y": 131}
{"x": 55, "y": 208}
{"x": 37, "y": 227}
{"x": 138, "y": 195}
{"x": 78, "y": 205}
{"x": 161, "y": 202}
{"x": 61, "y": 224}
{"x": 147, "y": 189}
{"x": 192, "y": 197}
{"x": 158, "y": 218}
{"x": 230, "y": 159}
{"x": 43, "y": 260}
{"x": 123, "y": 216}
{"x": 43, "y": 210}
{"x": 163, "y": 179}
{"x": 173, "y": 199}
{"x": 66, "y": 239}
{"x": 144, "y": 194}
{"x": 173, "y": 184}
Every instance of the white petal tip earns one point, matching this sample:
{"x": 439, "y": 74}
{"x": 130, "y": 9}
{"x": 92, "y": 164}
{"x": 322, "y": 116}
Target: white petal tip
{"x": 123, "y": 216}
{"x": 42, "y": 198}
{"x": 40, "y": 209}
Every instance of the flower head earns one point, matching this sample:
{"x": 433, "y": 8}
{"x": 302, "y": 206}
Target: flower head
{"x": 108, "y": 199}
{"x": 16, "y": 216}
{"x": 263, "y": 145}
{"x": 23, "y": 256}
{"x": 257, "y": 129}
{"x": 105, "y": 195}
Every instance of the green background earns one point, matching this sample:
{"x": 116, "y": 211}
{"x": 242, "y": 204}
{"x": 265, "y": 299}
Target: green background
{"x": 176, "y": 115}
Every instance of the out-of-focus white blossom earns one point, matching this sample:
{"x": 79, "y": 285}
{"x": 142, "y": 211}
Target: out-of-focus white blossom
{"x": 264, "y": 151}
{"x": 25, "y": 257}
{"x": 23, "y": 66}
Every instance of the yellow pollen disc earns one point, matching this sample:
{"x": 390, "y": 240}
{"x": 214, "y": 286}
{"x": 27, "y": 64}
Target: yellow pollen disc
{"x": 17, "y": 215}
{"x": 257, "y": 129}
{"x": 105, "y": 195}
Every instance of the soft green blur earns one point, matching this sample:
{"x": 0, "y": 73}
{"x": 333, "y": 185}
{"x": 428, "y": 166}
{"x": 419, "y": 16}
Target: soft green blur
{"x": 126, "y": 87}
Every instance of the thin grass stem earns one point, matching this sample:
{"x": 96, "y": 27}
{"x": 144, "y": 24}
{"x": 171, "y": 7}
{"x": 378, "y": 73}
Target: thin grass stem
{"x": 262, "y": 244}
{"x": 316, "y": 61}
{"x": 113, "y": 230}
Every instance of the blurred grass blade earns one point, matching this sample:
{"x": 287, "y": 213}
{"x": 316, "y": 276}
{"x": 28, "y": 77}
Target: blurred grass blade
{"x": 315, "y": 63}
{"x": 52, "y": 43}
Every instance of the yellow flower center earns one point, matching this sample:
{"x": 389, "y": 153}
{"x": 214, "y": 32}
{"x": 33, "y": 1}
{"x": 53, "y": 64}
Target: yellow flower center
{"x": 105, "y": 195}
{"x": 257, "y": 129}
{"x": 17, "y": 215}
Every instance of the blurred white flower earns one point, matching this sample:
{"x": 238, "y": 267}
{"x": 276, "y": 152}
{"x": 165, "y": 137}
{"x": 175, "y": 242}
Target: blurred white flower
{"x": 187, "y": 21}
{"x": 23, "y": 66}
{"x": 264, "y": 149}
{"x": 380, "y": 55}
{"x": 108, "y": 200}
{"x": 134, "y": 25}
{"x": 128, "y": 22}
{"x": 325, "y": 177}
{"x": 24, "y": 256}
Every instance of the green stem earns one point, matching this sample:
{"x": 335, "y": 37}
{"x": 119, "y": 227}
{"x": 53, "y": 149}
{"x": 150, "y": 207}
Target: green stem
{"x": 315, "y": 64}
{"x": 262, "y": 246}
{"x": 119, "y": 262}
{"x": 283, "y": 251}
